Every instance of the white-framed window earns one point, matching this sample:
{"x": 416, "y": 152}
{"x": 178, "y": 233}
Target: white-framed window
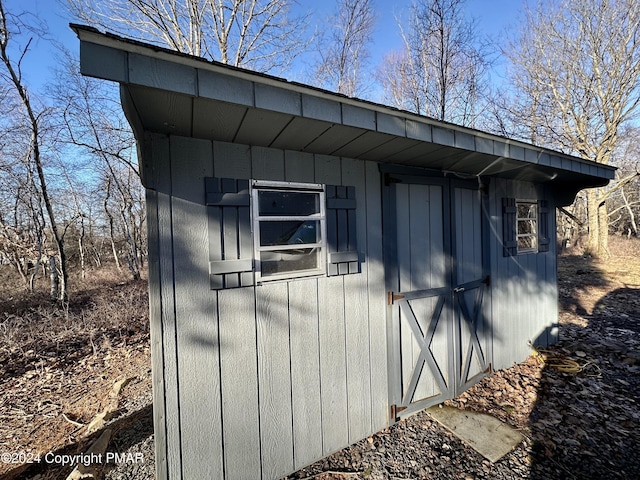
{"x": 527, "y": 226}
{"x": 289, "y": 229}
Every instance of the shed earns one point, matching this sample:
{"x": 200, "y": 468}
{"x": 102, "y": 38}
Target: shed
{"x": 321, "y": 266}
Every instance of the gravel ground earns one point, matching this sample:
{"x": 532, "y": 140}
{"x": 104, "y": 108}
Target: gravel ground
{"x": 140, "y": 446}
{"x": 580, "y": 425}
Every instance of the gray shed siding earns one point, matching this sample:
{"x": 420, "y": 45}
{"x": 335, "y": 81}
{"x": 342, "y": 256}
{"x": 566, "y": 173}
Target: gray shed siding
{"x": 524, "y": 293}
{"x": 283, "y": 373}
{"x": 257, "y": 382}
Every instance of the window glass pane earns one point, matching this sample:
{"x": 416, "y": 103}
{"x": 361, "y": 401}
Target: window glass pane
{"x": 527, "y": 243}
{"x": 527, "y": 210}
{"x": 282, "y": 261}
{"x": 526, "y": 226}
{"x": 277, "y": 203}
{"x": 289, "y": 232}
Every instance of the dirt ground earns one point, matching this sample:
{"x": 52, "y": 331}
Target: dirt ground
{"x": 577, "y": 403}
{"x": 58, "y": 365}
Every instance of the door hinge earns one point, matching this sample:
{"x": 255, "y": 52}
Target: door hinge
{"x": 395, "y": 411}
{"x": 388, "y": 180}
{"x": 392, "y": 297}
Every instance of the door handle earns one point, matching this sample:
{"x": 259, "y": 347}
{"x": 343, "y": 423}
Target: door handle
{"x": 458, "y": 290}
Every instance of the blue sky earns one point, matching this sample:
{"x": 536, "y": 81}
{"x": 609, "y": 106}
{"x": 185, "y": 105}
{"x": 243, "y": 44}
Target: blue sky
{"x": 493, "y": 17}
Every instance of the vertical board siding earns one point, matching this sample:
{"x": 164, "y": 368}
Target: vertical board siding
{"x": 439, "y": 265}
{"x": 304, "y": 343}
{"x": 299, "y": 167}
{"x": 488, "y": 227}
{"x": 335, "y": 424}
{"x": 258, "y": 382}
{"x": 373, "y": 268}
{"x": 357, "y": 316}
{"x": 524, "y": 290}
{"x": 327, "y": 170}
{"x": 195, "y": 313}
{"x": 416, "y": 267}
{"x": 274, "y": 380}
{"x": 231, "y": 160}
{"x": 421, "y": 263}
{"x": 469, "y": 267}
{"x": 168, "y": 353}
{"x": 155, "y": 316}
{"x": 305, "y": 372}
{"x": 551, "y": 269}
{"x": 469, "y": 235}
{"x": 495, "y": 250}
{"x": 426, "y": 247}
{"x": 331, "y": 304}
{"x": 239, "y": 383}
{"x": 271, "y": 378}
{"x": 267, "y": 163}
{"x": 404, "y": 269}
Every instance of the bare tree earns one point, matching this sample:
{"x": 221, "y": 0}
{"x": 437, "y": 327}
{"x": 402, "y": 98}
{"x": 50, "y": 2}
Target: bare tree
{"x": 442, "y": 70}
{"x": 624, "y": 204}
{"x": 576, "y": 68}
{"x": 92, "y": 121}
{"x": 11, "y": 24}
{"x": 401, "y": 87}
{"x": 343, "y": 49}
{"x": 256, "y": 34}
{"x": 23, "y": 234}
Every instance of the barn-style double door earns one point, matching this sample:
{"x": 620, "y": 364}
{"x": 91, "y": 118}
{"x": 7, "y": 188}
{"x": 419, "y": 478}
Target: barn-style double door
{"x": 436, "y": 280}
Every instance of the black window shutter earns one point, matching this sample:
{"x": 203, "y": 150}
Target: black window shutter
{"x": 543, "y": 227}
{"x": 229, "y": 220}
{"x": 509, "y": 219}
{"x": 342, "y": 245}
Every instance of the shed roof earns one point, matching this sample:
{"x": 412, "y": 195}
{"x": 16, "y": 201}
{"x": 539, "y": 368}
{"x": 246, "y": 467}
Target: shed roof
{"x": 168, "y": 92}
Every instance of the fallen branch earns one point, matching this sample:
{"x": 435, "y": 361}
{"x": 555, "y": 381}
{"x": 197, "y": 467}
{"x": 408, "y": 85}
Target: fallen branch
{"x": 77, "y": 424}
{"x": 97, "y": 449}
{"x": 332, "y": 472}
{"x": 103, "y": 417}
{"x": 562, "y": 364}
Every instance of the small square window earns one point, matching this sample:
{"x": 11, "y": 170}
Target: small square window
{"x": 289, "y": 225}
{"x": 527, "y": 226}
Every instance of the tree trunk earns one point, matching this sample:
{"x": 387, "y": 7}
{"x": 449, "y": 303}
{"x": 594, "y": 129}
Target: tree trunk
{"x": 593, "y": 238}
{"x": 36, "y": 268}
{"x": 111, "y": 222}
{"x": 598, "y": 222}
{"x": 603, "y": 233}
{"x": 16, "y": 79}
{"x": 132, "y": 255}
{"x": 632, "y": 217}
{"x": 82, "y": 253}
{"x": 55, "y": 279}
{"x": 20, "y": 268}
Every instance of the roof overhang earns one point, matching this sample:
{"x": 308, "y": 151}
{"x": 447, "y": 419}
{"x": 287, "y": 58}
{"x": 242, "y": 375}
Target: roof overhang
{"x": 166, "y": 92}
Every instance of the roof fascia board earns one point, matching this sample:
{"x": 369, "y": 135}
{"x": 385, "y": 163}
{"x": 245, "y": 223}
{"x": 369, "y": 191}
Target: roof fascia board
{"x": 356, "y": 112}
